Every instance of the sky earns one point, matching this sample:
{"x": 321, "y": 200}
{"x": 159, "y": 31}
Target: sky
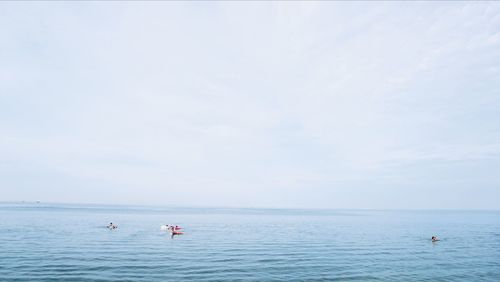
{"x": 335, "y": 105}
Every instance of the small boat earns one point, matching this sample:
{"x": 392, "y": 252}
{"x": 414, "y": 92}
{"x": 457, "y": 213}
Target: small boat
{"x": 167, "y": 227}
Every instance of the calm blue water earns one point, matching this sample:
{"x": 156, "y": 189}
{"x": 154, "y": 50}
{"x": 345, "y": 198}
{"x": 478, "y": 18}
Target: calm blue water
{"x": 70, "y": 243}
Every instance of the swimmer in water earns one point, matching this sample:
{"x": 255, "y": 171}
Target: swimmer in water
{"x": 434, "y": 239}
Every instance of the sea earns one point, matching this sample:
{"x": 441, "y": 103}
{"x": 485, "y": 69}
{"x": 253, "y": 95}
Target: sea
{"x": 63, "y": 242}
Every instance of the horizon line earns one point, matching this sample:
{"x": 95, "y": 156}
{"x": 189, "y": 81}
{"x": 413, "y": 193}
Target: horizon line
{"x": 240, "y": 207}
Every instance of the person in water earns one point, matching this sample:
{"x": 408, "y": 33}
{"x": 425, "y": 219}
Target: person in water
{"x": 434, "y": 239}
{"x": 112, "y": 226}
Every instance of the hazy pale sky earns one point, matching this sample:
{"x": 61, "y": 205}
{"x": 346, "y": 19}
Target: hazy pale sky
{"x": 309, "y": 105}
